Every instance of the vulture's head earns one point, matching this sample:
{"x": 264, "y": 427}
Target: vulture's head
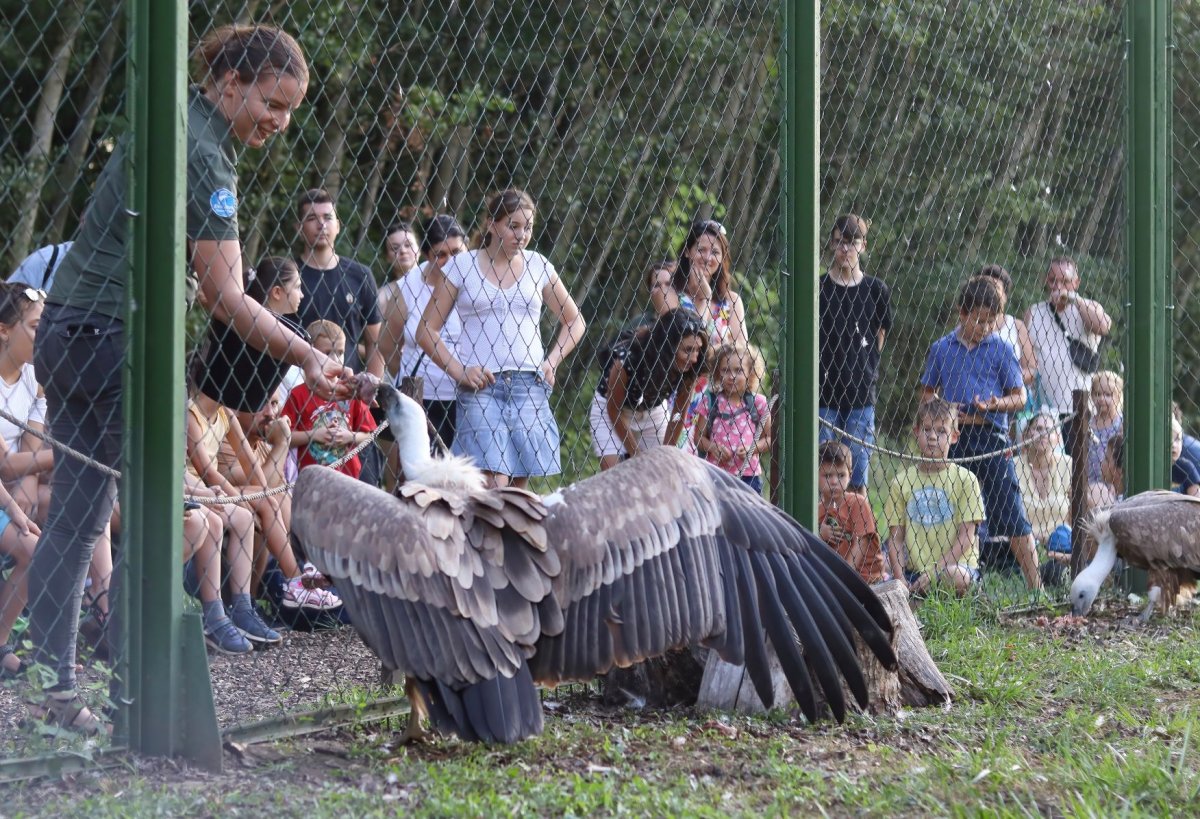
{"x": 1083, "y": 593}
{"x": 403, "y": 413}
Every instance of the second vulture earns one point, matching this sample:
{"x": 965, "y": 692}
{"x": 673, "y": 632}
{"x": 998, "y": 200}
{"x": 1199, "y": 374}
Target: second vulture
{"x": 478, "y": 594}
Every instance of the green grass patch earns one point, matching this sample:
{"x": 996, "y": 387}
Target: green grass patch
{"x": 1049, "y": 718}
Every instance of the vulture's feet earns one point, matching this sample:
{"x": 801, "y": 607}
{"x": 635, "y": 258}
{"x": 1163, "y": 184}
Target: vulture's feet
{"x": 1152, "y": 598}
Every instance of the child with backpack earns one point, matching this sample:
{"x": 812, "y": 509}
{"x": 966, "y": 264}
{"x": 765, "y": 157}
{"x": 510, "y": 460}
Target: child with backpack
{"x": 733, "y": 424}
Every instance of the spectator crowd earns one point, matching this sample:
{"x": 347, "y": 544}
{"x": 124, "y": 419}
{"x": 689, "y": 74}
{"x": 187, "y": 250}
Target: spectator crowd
{"x": 461, "y": 322}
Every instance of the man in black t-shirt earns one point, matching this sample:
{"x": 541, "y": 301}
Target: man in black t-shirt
{"x": 335, "y": 288}
{"x": 855, "y": 317}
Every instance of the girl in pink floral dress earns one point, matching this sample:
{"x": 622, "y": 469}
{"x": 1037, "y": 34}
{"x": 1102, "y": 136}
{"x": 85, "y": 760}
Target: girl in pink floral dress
{"x": 733, "y": 422}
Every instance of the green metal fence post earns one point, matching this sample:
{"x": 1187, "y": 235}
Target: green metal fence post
{"x": 1148, "y": 391}
{"x": 170, "y": 709}
{"x": 1148, "y": 204}
{"x": 801, "y": 134}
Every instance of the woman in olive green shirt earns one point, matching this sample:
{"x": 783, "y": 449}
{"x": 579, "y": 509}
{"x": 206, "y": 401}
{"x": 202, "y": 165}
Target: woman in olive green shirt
{"x": 251, "y": 79}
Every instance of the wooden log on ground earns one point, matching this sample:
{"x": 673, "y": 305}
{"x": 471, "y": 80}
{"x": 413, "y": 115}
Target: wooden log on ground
{"x": 918, "y": 683}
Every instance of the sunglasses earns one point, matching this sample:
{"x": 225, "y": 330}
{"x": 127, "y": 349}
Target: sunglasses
{"x": 711, "y": 224}
{"x": 33, "y": 294}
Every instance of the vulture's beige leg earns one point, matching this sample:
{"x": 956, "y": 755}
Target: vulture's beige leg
{"x": 1152, "y": 597}
{"x": 415, "y": 732}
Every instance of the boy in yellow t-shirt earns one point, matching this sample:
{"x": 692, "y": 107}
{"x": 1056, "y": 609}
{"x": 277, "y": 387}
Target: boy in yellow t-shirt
{"x": 933, "y": 510}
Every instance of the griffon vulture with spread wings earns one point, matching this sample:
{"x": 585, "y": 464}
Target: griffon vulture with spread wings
{"x": 477, "y": 594}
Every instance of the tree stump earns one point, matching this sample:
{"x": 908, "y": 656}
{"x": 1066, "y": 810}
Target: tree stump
{"x": 917, "y": 684}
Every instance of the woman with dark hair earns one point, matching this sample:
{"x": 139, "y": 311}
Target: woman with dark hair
{"x": 443, "y": 239}
{"x": 703, "y": 282}
{"x": 400, "y": 246}
{"x": 504, "y": 372}
{"x": 644, "y": 370}
{"x": 250, "y": 79}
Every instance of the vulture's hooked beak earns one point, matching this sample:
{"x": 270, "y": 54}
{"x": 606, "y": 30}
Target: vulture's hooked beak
{"x": 387, "y": 396}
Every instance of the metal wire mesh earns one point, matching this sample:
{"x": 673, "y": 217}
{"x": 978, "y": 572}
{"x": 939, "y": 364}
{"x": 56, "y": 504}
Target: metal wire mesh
{"x": 624, "y": 124}
{"x": 968, "y": 135}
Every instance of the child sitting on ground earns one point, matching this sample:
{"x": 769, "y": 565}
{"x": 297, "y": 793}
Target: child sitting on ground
{"x": 933, "y": 509}
{"x": 733, "y": 423}
{"x": 1185, "y": 475}
{"x": 974, "y": 369}
{"x": 202, "y": 530}
{"x": 847, "y": 522}
{"x": 324, "y": 431}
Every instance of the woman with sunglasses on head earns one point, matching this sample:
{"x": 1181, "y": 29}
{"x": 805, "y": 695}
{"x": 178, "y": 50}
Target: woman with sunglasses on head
{"x": 645, "y": 386}
{"x": 443, "y": 238}
{"x": 503, "y": 369}
{"x": 703, "y": 282}
{"x": 250, "y": 79}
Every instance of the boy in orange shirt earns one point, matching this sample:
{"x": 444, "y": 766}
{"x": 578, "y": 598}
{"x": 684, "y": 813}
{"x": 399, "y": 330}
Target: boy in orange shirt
{"x": 847, "y": 522}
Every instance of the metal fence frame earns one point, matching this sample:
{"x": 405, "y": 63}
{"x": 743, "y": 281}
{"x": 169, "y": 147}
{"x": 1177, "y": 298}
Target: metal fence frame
{"x": 167, "y": 671}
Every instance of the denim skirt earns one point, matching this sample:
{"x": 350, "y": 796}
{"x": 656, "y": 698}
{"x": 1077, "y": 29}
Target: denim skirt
{"x": 508, "y": 427}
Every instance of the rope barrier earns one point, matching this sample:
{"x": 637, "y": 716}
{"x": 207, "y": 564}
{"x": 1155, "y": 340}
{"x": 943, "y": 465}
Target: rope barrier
{"x": 217, "y": 501}
{"x": 921, "y": 459}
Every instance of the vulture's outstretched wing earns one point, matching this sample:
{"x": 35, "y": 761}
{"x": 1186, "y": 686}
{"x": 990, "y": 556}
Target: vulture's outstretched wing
{"x": 446, "y": 585}
{"x": 666, "y": 551}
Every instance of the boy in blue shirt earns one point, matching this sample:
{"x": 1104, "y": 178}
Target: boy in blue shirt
{"x": 974, "y": 369}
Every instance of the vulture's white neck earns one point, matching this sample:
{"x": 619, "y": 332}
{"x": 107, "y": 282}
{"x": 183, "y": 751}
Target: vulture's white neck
{"x": 410, "y": 429}
{"x": 1102, "y": 564}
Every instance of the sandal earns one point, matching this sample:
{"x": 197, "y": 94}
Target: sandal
{"x": 7, "y": 673}
{"x": 66, "y": 709}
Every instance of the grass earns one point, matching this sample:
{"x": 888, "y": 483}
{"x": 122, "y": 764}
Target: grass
{"x": 1050, "y": 718}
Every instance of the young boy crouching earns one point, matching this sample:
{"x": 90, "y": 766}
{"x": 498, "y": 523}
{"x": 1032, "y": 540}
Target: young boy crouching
{"x": 847, "y": 522}
{"x": 933, "y": 510}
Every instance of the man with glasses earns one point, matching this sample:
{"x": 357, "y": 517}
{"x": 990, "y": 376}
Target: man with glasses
{"x": 855, "y": 317}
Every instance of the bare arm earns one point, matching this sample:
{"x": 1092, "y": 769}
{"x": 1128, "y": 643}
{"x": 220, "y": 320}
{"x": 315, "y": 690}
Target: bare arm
{"x": 964, "y": 541}
{"x": 429, "y": 331}
{"x": 1027, "y": 355}
{"x": 683, "y": 395}
{"x": 391, "y": 336}
{"x": 218, "y": 264}
{"x": 618, "y": 386}
{"x": 205, "y": 466}
{"x": 571, "y": 326}
{"x": 737, "y": 319}
{"x": 374, "y": 357}
{"x": 1095, "y": 319}
{"x": 664, "y": 298}
{"x": 897, "y": 553}
{"x": 251, "y": 466}
{"x": 1013, "y": 400}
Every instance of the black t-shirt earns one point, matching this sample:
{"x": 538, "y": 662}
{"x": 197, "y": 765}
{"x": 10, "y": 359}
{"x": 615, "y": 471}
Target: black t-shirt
{"x": 238, "y": 376}
{"x": 344, "y": 294}
{"x": 851, "y": 318}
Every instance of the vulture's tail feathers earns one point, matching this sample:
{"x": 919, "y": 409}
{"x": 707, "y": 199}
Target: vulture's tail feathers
{"x": 757, "y": 665}
{"x": 502, "y": 709}
{"x": 783, "y": 638}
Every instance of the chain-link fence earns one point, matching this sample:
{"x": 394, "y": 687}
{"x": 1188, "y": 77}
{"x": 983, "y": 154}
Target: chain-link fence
{"x": 353, "y": 192}
{"x": 1186, "y": 212}
{"x": 971, "y": 137}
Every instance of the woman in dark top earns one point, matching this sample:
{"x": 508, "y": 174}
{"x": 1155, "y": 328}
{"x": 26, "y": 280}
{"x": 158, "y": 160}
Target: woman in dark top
{"x": 643, "y": 370}
{"x": 250, "y": 78}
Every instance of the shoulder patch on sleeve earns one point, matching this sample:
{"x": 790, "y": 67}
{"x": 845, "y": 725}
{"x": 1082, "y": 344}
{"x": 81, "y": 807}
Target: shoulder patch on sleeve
{"x": 223, "y": 203}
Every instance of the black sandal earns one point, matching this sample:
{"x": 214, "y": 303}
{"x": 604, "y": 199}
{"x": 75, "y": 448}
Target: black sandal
{"x": 7, "y": 673}
{"x": 66, "y": 709}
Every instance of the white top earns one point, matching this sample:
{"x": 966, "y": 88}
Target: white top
{"x": 1008, "y": 334}
{"x": 500, "y": 325}
{"x": 1059, "y": 375}
{"x": 21, "y": 400}
{"x": 416, "y": 293}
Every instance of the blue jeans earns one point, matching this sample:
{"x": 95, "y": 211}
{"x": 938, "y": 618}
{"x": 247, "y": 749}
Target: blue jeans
{"x": 860, "y": 423}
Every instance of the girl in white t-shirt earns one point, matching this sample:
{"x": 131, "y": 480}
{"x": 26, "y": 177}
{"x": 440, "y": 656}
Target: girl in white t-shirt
{"x": 20, "y": 462}
{"x": 442, "y": 240}
{"x": 503, "y": 372}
